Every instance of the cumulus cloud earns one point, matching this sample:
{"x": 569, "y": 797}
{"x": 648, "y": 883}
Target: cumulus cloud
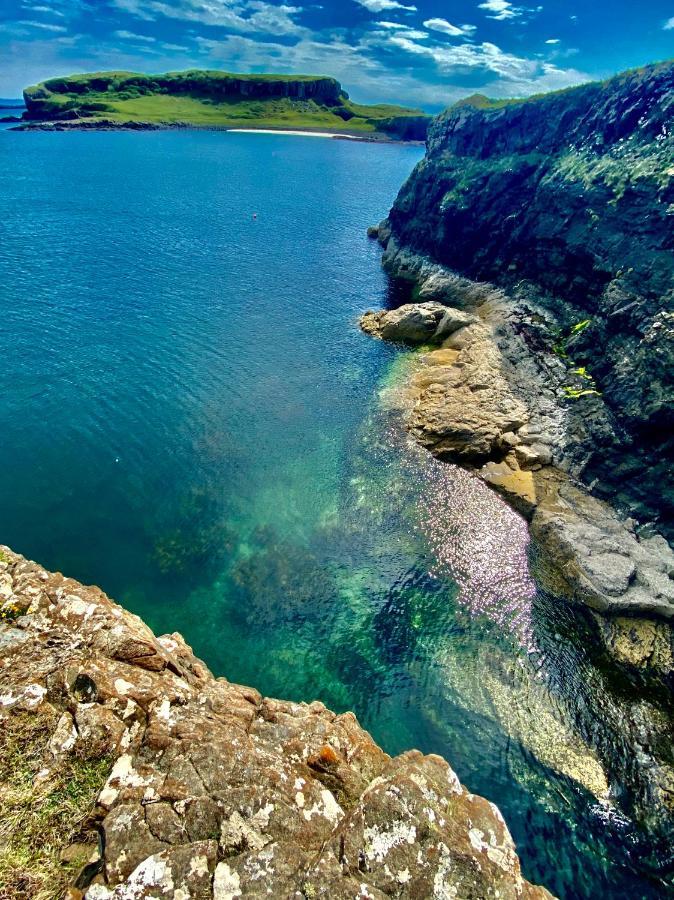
{"x": 378, "y": 6}
{"x": 446, "y": 27}
{"x": 669, "y": 24}
{"x": 502, "y": 10}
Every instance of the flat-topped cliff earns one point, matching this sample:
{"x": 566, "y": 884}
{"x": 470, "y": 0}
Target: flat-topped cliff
{"x": 210, "y": 98}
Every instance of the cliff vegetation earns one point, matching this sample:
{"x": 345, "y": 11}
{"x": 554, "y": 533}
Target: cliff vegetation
{"x": 216, "y": 99}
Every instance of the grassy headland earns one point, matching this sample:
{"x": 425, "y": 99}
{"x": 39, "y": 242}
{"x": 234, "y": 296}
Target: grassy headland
{"x": 216, "y": 99}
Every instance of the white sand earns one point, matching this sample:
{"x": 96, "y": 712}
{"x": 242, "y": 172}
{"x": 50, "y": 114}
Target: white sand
{"x": 319, "y": 134}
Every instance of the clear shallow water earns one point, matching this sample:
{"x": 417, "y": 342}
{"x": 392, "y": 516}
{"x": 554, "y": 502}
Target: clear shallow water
{"x": 192, "y": 420}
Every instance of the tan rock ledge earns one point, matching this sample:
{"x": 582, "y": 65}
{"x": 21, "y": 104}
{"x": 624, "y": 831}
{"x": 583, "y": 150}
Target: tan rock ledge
{"x": 467, "y": 402}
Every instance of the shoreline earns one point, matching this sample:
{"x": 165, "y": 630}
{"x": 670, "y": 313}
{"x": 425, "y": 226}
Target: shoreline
{"x": 476, "y": 395}
{"x": 372, "y": 137}
{"x": 517, "y": 431}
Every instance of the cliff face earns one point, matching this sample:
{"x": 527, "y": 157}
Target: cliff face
{"x": 128, "y": 771}
{"x": 567, "y": 201}
{"x": 212, "y": 98}
{"x": 42, "y": 100}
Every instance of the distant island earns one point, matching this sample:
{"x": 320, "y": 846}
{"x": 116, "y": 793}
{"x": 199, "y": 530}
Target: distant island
{"x": 213, "y": 99}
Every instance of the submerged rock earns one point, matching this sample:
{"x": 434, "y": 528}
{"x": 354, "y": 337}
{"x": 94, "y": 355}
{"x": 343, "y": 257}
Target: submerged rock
{"x": 216, "y": 792}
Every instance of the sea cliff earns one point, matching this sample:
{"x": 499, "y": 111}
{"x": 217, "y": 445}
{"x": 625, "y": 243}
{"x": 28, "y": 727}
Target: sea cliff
{"x": 213, "y": 99}
{"x": 548, "y": 222}
{"x": 566, "y": 203}
{"x": 535, "y": 240}
{"x": 129, "y": 771}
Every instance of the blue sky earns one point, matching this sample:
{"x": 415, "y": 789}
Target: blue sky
{"x": 421, "y": 52}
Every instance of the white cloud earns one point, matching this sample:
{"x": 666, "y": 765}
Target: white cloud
{"x": 446, "y": 27}
{"x": 46, "y": 26}
{"x": 130, "y": 36}
{"x": 383, "y": 5}
{"x": 553, "y": 41}
{"x": 669, "y": 24}
{"x": 502, "y": 9}
{"x": 517, "y": 76}
{"x": 47, "y": 9}
{"x": 178, "y": 48}
{"x": 254, "y": 16}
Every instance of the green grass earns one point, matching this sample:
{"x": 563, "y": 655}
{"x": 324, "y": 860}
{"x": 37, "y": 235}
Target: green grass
{"x": 283, "y": 113}
{"x": 619, "y": 168}
{"x": 40, "y": 818}
{"x": 215, "y": 99}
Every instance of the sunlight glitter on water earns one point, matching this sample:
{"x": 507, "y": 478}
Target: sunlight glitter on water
{"x": 478, "y": 542}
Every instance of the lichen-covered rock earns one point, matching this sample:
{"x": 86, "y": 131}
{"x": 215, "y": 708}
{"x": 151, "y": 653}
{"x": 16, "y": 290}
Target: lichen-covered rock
{"x": 215, "y": 792}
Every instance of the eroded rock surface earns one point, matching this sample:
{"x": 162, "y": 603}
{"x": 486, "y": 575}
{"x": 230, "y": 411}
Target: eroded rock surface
{"x": 484, "y": 400}
{"x": 216, "y": 792}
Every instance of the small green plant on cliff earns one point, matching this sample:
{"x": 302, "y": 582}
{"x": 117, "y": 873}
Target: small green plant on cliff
{"x": 41, "y": 816}
{"x": 577, "y": 389}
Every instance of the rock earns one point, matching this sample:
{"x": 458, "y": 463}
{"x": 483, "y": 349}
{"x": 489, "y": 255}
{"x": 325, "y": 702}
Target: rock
{"x": 520, "y": 198}
{"x": 414, "y": 323}
{"x": 639, "y": 643}
{"x": 527, "y": 457}
{"x": 452, "y": 321}
{"x": 594, "y": 558}
{"x": 515, "y": 485}
{"x": 216, "y": 792}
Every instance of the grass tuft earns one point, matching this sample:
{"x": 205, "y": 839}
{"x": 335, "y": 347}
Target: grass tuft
{"x": 41, "y": 816}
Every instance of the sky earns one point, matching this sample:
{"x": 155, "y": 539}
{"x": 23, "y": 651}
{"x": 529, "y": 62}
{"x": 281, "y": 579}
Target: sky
{"x": 425, "y": 53}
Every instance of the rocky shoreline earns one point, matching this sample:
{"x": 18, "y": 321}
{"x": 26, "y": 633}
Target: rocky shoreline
{"x": 475, "y": 393}
{"x": 132, "y": 125}
{"x": 485, "y": 400}
{"x": 130, "y": 771}
{"x": 551, "y": 338}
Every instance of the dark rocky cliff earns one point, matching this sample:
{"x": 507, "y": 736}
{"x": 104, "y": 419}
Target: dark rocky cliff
{"x": 568, "y": 199}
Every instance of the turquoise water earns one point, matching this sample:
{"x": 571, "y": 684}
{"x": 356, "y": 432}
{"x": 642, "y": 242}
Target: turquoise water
{"x": 192, "y": 420}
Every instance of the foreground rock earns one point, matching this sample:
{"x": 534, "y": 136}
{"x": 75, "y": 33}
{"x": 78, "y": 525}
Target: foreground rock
{"x": 207, "y": 789}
